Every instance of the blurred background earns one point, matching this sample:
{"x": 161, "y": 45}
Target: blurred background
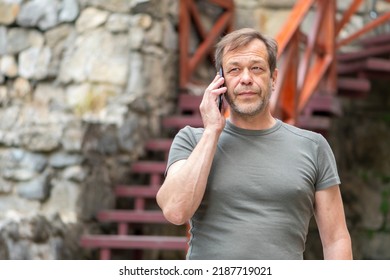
{"x": 92, "y": 92}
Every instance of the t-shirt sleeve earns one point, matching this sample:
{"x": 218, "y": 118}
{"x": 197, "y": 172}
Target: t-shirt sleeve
{"x": 182, "y": 146}
{"x": 326, "y": 166}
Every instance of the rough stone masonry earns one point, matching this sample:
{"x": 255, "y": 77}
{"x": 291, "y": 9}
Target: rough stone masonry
{"x": 82, "y": 84}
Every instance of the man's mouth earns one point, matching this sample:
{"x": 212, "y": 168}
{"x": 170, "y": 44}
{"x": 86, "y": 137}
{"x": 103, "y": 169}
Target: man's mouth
{"x": 246, "y": 93}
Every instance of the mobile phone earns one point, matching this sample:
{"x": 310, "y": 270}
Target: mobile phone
{"x": 220, "y": 101}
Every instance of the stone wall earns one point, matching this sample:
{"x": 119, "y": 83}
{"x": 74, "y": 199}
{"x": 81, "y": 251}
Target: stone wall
{"x": 82, "y": 84}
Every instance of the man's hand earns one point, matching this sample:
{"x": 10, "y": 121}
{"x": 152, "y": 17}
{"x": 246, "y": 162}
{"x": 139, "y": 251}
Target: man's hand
{"x": 212, "y": 118}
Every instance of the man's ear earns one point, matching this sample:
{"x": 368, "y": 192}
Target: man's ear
{"x": 274, "y": 77}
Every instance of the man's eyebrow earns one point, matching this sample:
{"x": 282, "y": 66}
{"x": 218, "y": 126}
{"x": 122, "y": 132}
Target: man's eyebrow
{"x": 236, "y": 62}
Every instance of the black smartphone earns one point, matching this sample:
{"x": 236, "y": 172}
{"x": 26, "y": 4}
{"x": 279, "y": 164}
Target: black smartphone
{"x": 220, "y": 101}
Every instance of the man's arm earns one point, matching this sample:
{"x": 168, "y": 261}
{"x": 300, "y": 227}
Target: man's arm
{"x": 330, "y": 218}
{"x": 183, "y": 189}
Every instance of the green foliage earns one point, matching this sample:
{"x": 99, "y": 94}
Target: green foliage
{"x": 386, "y": 118}
{"x": 370, "y": 233}
{"x": 385, "y": 178}
{"x": 385, "y": 207}
{"x": 372, "y": 177}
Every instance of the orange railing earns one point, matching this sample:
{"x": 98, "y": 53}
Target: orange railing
{"x": 308, "y": 62}
{"x": 190, "y": 14}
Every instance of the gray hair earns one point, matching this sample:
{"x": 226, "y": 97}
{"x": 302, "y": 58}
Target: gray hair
{"x": 241, "y": 38}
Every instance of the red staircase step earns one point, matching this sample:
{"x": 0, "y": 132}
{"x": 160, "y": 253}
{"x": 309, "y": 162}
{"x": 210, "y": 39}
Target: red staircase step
{"x": 315, "y": 123}
{"x": 158, "y": 144}
{"x": 136, "y": 191}
{"x": 155, "y": 167}
{"x": 134, "y": 242}
{"x": 376, "y": 40}
{"x": 370, "y": 64}
{"x": 131, "y": 216}
{"x": 155, "y": 170}
{"x": 354, "y": 84}
{"x": 179, "y": 122}
{"x": 364, "y": 53}
{"x": 189, "y": 103}
{"x": 139, "y": 193}
{"x": 323, "y": 104}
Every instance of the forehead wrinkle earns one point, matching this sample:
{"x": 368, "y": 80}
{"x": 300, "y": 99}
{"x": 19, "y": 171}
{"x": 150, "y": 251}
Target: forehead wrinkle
{"x": 238, "y": 61}
{"x": 254, "y": 50}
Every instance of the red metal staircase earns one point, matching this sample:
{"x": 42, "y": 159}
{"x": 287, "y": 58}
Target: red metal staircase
{"x": 131, "y": 221}
{"x": 357, "y": 69}
{"x": 314, "y": 70}
{"x": 136, "y": 208}
{"x": 314, "y": 63}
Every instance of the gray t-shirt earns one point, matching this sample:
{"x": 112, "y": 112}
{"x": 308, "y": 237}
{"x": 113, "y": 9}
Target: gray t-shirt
{"x": 259, "y": 197}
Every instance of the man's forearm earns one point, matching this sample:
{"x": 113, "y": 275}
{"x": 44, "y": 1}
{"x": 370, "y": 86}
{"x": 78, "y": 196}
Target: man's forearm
{"x": 184, "y": 186}
{"x": 339, "y": 250}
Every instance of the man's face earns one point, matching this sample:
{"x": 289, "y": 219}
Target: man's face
{"x": 248, "y": 78}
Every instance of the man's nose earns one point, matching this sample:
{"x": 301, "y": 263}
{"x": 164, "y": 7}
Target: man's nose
{"x": 246, "y": 77}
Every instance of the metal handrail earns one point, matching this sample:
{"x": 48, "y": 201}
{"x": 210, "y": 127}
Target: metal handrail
{"x": 189, "y": 13}
{"x": 307, "y": 61}
{"x": 316, "y": 70}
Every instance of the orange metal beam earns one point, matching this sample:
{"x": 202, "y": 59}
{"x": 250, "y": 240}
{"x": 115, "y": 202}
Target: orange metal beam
{"x": 189, "y": 13}
{"x": 312, "y": 39}
{"x": 347, "y": 15}
{"x": 227, "y": 4}
{"x": 329, "y": 83}
{"x": 313, "y": 78}
{"x": 205, "y": 47}
{"x": 323, "y": 33}
{"x": 307, "y": 61}
{"x": 184, "y": 33}
{"x": 289, "y": 95}
{"x": 194, "y": 12}
{"x": 292, "y": 24}
{"x": 375, "y": 23}
{"x": 286, "y": 82}
{"x": 315, "y": 68}
{"x": 197, "y": 20}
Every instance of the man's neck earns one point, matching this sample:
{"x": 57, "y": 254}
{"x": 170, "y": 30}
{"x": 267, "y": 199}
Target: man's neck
{"x": 260, "y": 121}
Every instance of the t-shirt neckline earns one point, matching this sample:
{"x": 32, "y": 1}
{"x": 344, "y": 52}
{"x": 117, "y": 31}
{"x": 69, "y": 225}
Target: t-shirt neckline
{"x": 251, "y": 132}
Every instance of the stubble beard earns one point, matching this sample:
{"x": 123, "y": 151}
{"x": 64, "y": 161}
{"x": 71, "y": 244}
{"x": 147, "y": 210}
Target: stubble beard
{"x": 249, "y": 110}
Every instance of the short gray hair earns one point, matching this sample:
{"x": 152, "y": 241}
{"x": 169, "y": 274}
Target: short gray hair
{"x": 241, "y": 38}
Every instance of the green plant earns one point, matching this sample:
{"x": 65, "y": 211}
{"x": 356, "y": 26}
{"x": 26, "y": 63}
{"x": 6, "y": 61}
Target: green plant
{"x": 384, "y": 208}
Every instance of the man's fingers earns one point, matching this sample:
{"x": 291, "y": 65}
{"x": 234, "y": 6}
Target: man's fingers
{"x": 216, "y": 83}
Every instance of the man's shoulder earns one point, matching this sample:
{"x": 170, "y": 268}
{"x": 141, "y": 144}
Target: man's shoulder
{"x": 189, "y": 133}
{"x": 189, "y": 130}
{"x": 301, "y": 133}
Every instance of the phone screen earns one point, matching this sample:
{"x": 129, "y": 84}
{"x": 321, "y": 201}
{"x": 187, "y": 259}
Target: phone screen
{"x": 220, "y": 101}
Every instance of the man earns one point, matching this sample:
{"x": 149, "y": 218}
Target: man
{"x": 249, "y": 185}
